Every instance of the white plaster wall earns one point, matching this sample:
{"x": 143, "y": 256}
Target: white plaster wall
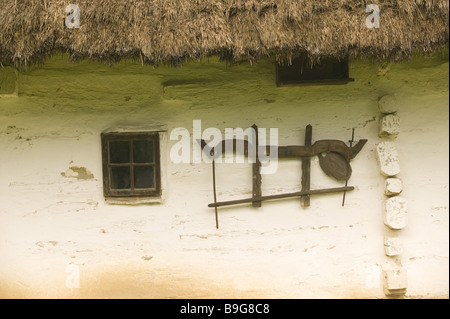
{"x": 48, "y": 221}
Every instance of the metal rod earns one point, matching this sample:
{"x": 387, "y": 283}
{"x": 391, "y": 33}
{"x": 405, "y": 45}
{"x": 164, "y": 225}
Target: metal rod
{"x": 279, "y": 196}
{"x": 214, "y": 190}
{"x": 346, "y": 182}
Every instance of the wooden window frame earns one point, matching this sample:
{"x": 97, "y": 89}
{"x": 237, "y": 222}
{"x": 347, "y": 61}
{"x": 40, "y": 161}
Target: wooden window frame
{"x": 132, "y": 192}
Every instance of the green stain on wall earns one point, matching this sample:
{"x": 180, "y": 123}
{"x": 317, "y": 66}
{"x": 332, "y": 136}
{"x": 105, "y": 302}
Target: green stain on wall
{"x": 7, "y": 81}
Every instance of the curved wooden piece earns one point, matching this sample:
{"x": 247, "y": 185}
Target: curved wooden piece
{"x": 335, "y": 165}
{"x": 290, "y": 151}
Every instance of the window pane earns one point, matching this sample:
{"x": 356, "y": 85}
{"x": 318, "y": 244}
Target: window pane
{"x": 120, "y": 177}
{"x": 144, "y": 177}
{"x": 143, "y": 151}
{"x": 119, "y": 152}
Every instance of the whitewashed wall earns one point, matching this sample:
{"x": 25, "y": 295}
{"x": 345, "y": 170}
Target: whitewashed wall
{"x": 49, "y": 221}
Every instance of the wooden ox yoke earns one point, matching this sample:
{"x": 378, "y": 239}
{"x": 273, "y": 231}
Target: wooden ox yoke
{"x": 334, "y": 160}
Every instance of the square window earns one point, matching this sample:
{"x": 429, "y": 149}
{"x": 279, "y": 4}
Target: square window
{"x": 131, "y": 164}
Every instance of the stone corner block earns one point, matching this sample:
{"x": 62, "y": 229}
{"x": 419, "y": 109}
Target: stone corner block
{"x": 395, "y": 281}
{"x": 393, "y": 246}
{"x": 387, "y": 156}
{"x": 389, "y": 125}
{"x": 395, "y": 215}
{"x": 393, "y": 186}
{"x": 388, "y": 104}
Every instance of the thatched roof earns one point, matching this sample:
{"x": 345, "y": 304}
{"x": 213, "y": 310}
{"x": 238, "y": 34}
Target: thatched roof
{"x": 172, "y": 31}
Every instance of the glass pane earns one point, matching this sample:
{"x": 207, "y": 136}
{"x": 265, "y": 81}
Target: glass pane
{"x": 144, "y": 177}
{"x": 143, "y": 151}
{"x": 119, "y": 152}
{"x": 120, "y": 177}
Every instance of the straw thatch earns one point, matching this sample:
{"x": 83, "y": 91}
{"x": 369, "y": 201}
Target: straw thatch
{"x": 172, "y": 31}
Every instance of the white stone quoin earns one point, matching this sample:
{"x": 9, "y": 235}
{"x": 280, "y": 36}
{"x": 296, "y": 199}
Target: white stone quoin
{"x": 395, "y": 215}
{"x": 387, "y": 104}
{"x": 387, "y": 156}
{"x": 395, "y": 281}
{"x": 393, "y": 186}
{"x": 392, "y": 246}
{"x": 389, "y": 125}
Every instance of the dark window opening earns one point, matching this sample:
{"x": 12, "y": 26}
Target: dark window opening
{"x": 302, "y": 73}
{"x": 131, "y": 164}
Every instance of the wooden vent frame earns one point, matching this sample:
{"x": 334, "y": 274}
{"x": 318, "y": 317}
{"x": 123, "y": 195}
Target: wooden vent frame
{"x": 329, "y": 71}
